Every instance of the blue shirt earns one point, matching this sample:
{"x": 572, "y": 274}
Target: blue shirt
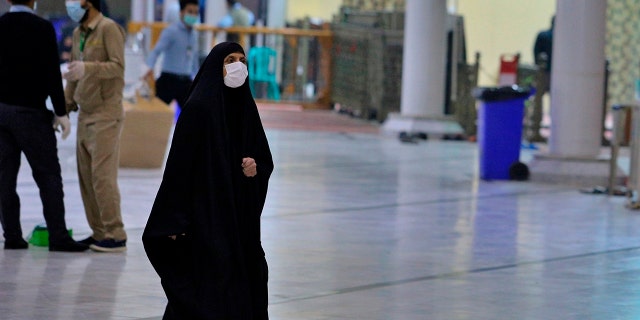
{"x": 180, "y": 47}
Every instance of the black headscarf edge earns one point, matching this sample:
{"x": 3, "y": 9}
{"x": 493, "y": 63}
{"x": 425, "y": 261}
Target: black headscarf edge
{"x": 209, "y": 76}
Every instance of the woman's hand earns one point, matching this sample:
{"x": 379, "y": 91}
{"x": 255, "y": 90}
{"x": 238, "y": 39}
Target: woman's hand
{"x": 249, "y": 167}
{"x": 173, "y": 237}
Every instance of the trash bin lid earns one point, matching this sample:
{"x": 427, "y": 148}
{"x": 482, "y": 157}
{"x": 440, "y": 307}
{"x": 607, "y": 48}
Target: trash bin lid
{"x": 501, "y": 93}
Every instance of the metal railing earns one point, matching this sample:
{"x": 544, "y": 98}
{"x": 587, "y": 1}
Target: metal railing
{"x": 304, "y": 55}
{"x": 620, "y": 134}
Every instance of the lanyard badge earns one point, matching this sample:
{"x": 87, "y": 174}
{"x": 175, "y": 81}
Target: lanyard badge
{"x": 83, "y": 41}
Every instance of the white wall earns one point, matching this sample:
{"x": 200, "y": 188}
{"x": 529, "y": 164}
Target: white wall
{"x": 324, "y": 9}
{"x": 495, "y": 27}
{"x": 492, "y": 27}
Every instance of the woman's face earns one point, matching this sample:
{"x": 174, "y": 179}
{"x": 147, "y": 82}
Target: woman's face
{"x": 234, "y": 57}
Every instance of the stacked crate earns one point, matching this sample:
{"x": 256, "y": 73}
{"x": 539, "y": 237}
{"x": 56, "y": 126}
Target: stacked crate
{"x": 367, "y": 58}
{"x": 367, "y": 64}
{"x": 464, "y": 105}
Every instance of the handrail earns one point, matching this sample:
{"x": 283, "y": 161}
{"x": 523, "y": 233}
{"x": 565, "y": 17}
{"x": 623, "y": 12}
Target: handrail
{"x": 324, "y": 36}
{"x": 136, "y": 26}
{"x": 265, "y": 30}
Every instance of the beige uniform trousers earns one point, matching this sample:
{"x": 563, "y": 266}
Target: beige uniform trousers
{"x": 98, "y": 153}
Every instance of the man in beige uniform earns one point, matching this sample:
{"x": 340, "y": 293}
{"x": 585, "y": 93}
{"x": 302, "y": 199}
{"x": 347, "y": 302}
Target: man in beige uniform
{"x": 95, "y": 82}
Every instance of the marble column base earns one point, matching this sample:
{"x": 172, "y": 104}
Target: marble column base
{"x": 583, "y": 172}
{"x": 433, "y": 126}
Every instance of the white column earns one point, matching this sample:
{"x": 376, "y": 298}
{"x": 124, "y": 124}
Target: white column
{"x": 423, "y": 67}
{"x": 276, "y": 18}
{"x": 577, "y": 78}
{"x": 171, "y": 11}
{"x": 142, "y": 10}
{"x": 423, "y": 72}
{"x": 215, "y": 10}
{"x": 276, "y": 13}
{"x": 577, "y": 89}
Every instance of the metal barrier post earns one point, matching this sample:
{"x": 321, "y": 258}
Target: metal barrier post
{"x": 633, "y": 183}
{"x": 619, "y": 118}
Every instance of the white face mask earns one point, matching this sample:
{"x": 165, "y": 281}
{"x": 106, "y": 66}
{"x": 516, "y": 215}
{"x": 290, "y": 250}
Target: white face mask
{"x": 236, "y": 74}
{"x": 75, "y": 10}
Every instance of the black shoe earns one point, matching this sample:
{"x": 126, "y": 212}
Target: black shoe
{"x": 88, "y": 241}
{"x": 110, "y": 245}
{"x": 68, "y": 246}
{"x": 537, "y": 138}
{"x": 16, "y": 244}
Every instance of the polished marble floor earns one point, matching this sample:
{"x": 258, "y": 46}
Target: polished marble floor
{"x": 362, "y": 226}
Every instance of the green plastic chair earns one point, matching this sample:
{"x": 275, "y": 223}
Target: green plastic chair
{"x": 262, "y": 68}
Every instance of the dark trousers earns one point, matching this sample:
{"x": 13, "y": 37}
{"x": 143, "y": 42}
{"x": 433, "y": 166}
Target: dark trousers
{"x": 171, "y": 86}
{"x": 30, "y": 131}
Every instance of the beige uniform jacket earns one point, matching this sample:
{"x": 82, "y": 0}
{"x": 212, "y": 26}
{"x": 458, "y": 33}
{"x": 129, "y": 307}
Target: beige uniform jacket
{"x": 99, "y": 92}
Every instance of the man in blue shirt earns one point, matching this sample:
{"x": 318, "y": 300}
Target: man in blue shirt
{"x": 179, "y": 43}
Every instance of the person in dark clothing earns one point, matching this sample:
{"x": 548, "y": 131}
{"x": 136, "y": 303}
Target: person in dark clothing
{"x": 542, "y": 50}
{"x": 203, "y": 233}
{"x": 543, "y": 46}
{"x": 30, "y": 73}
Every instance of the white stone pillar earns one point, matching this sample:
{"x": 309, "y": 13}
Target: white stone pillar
{"x": 276, "y": 18}
{"x": 577, "y": 95}
{"x": 577, "y": 78}
{"x": 276, "y": 13}
{"x": 171, "y": 11}
{"x": 423, "y": 72}
{"x": 423, "y": 67}
{"x": 215, "y": 10}
{"x": 142, "y": 10}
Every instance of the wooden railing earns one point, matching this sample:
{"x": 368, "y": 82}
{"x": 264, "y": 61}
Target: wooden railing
{"x": 291, "y": 36}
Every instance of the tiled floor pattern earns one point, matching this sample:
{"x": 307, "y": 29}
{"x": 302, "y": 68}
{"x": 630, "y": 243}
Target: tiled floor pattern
{"x": 362, "y": 226}
{"x": 292, "y": 117}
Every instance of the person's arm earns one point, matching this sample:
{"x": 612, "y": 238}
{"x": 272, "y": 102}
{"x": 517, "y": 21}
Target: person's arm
{"x": 537, "y": 48}
{"x": 265, "y": 167}
{"x": 196, "y": 59}
{"x": 114, "y": 45}
{"x": 258, "y": 162}
{"x": 70, "y": 88}
{"x": 69, "y": 91}
{"x": 264, "y": 164}
{"x": 163, "y": 43}
{"x": 173, "y": 205}
{"x": 54, "y": 77}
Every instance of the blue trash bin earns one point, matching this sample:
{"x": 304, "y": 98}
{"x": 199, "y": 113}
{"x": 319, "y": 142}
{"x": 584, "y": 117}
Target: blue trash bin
{"x": 500, "y": 117}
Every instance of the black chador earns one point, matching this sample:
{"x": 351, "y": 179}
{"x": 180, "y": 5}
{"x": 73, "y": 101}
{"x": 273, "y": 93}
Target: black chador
{"x": 215, "y": 268}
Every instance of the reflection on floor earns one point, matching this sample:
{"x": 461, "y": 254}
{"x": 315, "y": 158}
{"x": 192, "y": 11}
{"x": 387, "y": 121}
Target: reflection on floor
{"x": 361, "y": 226}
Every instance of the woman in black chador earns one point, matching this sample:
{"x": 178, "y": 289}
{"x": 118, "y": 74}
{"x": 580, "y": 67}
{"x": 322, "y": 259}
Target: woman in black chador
{"x": 203, "y": 234}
